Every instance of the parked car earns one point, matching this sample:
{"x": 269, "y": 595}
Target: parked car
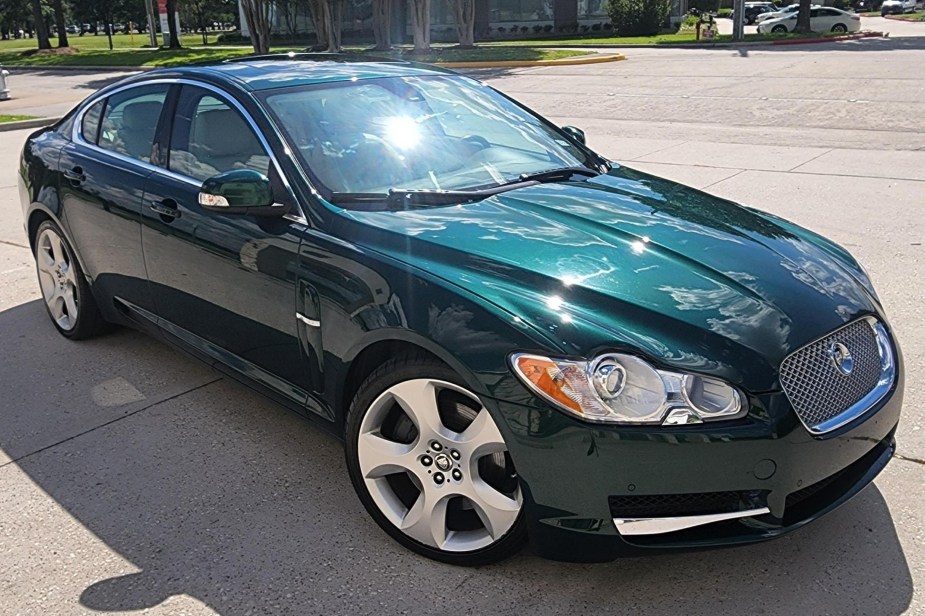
{"x": 754, "y": 9}
{"x": 897, "y": 7}
{"x": 823, "y": 19}
{"x": 784, "y": 12}
{"x": 72, "y": 29}
{"x": 514, "y": 336}
{"x": 867, "y": 6}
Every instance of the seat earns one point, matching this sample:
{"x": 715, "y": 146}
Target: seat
{"x": 221, "y": 139}
{"x": 139, "y": 121}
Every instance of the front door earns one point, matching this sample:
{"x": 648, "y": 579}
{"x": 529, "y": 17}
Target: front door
{"x": 224, "y": 284}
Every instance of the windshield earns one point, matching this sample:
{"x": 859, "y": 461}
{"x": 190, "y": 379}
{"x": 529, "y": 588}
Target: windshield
{"x": 416, "y": 133}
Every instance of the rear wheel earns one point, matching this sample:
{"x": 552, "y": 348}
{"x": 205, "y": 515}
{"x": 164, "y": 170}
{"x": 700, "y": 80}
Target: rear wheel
{"x": 779, "y": 29}
{"x": 839, "y": 28}
{"x": 67, "y": 295}
{"x": 431, "y": 467}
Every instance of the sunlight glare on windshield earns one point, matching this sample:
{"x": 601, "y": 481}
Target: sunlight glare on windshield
{"x": 402, "y": 132}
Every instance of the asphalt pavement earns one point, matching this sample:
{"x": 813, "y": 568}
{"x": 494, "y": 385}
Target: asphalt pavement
{"x": 135, "y": 478}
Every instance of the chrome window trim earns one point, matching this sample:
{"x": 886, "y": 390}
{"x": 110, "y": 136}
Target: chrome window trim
{"x": 881, "y": 389}
{"x": 657, "y": 526}
{"x": 77, "y": 137}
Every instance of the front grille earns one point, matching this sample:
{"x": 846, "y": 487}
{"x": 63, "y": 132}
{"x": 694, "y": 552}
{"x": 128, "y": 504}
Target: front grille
{"x": 668, "y": 505}
{"x": 817, "y": 389}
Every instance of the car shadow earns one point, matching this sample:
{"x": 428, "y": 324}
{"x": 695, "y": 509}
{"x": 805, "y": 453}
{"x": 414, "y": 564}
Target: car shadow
{"x": 215, "y": 493}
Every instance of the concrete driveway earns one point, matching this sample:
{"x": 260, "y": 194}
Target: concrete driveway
{"x": 135, "y": 478}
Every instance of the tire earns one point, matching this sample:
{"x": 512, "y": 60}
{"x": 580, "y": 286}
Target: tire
{"x": 459, "y": 502}
{"x": 839, "y": 28}
{"x": 65, "y": 291}
{"x": 779, "y": 29}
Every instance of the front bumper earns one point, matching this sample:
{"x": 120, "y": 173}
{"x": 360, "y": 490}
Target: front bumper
{"x": 582, "y": 482}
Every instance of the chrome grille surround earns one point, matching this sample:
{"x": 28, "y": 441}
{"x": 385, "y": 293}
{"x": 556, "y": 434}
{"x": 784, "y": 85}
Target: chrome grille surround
{"x": 823, "y": 396}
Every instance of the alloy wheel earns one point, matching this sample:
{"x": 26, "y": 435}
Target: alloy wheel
{"x": 57, "y": 278}
{"x": 436, "y": 466}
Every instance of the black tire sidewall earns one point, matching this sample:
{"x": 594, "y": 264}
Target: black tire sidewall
{"x": 391, "y": 373}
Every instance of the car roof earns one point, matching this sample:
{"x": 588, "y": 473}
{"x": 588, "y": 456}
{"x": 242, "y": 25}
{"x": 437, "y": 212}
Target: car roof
{"x": 297, "y": 69}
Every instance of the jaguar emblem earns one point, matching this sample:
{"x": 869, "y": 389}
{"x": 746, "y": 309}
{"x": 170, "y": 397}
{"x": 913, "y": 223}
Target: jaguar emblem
{"x": 841, "y": 357}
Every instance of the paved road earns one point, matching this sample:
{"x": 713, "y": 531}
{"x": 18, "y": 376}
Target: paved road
{"x": 133, "y": 477}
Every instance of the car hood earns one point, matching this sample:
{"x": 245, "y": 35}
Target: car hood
{"x": 634, "y": 262}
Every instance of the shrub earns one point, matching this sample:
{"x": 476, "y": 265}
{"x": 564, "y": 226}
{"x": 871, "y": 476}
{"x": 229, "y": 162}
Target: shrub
{"x": 728, "y": 12}
{"x": 596, "y": 28}
{"x": 538, "y": 28}
{"x": 638, "y": 17}
{"x": 547, "y": 28}
{"x": 608, "y": 27}
{"x": 524, "y": 29}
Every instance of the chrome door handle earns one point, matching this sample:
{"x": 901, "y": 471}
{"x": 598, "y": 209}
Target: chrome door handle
{"x": 163, "y": 209}
{"x": 75, "y": 175}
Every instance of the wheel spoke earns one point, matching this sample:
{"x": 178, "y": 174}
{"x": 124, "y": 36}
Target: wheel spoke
{"x": 70, "y": 303}
{"x": 482, "y": 436}
{"x": 57, "y": 250}
{"x": 426, "y": 520}
{"x": 496, "y": 510}
{"x": 380, "y": 456}
{"x": 418, "y": 399}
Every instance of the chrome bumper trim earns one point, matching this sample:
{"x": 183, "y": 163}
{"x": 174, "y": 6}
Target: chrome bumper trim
{"x": 656, "y": 526}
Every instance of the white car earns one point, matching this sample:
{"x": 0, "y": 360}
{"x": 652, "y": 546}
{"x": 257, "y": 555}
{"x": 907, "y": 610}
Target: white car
{"x": 784, "y": 12}
{"x": 821, "y": 19}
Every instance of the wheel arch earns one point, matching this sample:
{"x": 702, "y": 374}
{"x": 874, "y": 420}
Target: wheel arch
{"x": 368, "y": 354}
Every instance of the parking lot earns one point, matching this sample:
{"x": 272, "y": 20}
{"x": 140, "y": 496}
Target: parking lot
{"x": 134, "y": 478}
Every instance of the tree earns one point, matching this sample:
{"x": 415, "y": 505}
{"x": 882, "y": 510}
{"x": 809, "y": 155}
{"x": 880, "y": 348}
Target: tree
{"x": 465, "y": 22}
{"x": 172, "y": 24}
{"x": 803, "y": 17}
{"x": 41, "y": 33}
{"x": 382, "y": 24}
{"x": 328, "y": 18}
{"x": 60, "y": 23}
{"x": 257, "y": 15}
{"x": 420, "y": 23}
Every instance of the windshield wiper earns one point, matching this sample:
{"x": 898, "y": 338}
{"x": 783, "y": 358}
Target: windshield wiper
{"x": 554, "y": 175}
{"x": 401, "y": 198}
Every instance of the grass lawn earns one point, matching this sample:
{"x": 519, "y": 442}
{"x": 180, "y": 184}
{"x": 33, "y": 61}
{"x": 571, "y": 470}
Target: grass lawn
{"x": 13, "y": 118}
{"x": 661, "y": 39}
{"x": 908, "y": 17}
{"x": 89, "y": 41}
{"x": 192, "y": 55}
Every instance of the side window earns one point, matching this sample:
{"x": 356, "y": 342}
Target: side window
{"x": 210, "y": 137}
{"x": 130, "y": 120}
{"x": 90, "y": 127}
{"x": 814, "y": 13}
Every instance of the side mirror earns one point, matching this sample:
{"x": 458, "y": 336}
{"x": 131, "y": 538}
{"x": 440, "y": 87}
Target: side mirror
{"x": 241, "y": 191}
{"x": 575, "y": 133}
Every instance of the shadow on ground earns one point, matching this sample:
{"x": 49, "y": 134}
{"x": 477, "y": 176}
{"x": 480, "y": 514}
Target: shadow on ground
{"x": 221, "y": 495}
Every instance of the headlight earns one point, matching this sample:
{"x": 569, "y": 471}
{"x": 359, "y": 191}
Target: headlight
{"x": 620, "y": 388}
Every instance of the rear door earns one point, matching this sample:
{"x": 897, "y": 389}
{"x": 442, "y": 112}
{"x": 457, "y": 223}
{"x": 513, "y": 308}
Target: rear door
{"x": 104, "y": 171}
{"x": 224, "y": 284}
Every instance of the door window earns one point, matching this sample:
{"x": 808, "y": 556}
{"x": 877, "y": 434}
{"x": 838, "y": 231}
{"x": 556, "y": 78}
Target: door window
{"x": 90, "y": 126}
{"x": 209, "y": 137}
{"x": 130, "y": 121}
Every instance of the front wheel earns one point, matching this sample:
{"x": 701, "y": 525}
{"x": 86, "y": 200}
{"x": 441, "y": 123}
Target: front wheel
{"x": 841, "y": 28}
{"x": 779, "y": 29}
{"x": 431, "y": 467}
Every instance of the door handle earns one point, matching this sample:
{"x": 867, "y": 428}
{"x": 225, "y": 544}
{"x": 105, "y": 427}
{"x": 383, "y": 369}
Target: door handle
{"x": 75, "y": 175}
{"x": 166, "y": 208}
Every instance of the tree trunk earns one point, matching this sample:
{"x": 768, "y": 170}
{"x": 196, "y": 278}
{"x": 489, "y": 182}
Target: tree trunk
{"x": 317, "y": 11}
{"x": 60, "y": 24}
{"x": 465, "y": 22}
{"x": 420, "y": 23}
{"x": 803, "y": 24}
{"x": 257, "y": 14}
{"x": 382, "y": 24}
{"x": 172, "y": 24}
{"x": 41, "y": 34}
{"x": 336, "y": 24}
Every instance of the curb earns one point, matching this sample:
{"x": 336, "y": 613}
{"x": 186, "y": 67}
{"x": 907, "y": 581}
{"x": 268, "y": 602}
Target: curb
{"x": 595, "y": 59}
{"x": 21, "y": 124}
{"x": 899, "y": 18}
{"x": 847, "y": 37}
{"x": 95, "y": 69}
